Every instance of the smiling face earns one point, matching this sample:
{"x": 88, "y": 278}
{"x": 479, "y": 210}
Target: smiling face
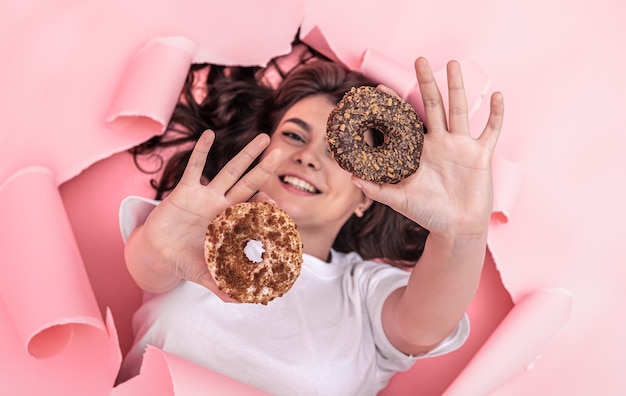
{"x": 309, "y": 184}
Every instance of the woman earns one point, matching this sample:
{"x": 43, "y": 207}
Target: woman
{"x": 347, "y": 324}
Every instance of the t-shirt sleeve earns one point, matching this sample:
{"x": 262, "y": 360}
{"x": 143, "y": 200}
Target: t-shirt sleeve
{"x": 133, "y": 212}
{"x": 382, "y": 283}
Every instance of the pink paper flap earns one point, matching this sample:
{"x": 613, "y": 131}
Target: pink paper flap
{"x": 87, "y": 365}
{"x": 535, "y": 321}
{"x": 152, "y": 81}
{"x": 163, "y": 374}
{"x": 42, "y": 277}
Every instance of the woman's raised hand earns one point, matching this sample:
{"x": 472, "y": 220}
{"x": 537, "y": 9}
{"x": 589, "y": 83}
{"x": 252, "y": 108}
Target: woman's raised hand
{"x": 174, "y": 232}
{"x": 452, "y": 190}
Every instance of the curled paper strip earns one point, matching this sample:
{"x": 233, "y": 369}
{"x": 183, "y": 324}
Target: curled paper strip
{"x": 152, "y": 82}
{"x": 42, "y": 277}
{"x": 533, "y": 323}
{"x": 163, "y": 374}
{"x": 51, "y": 324}
{"x": 87, "y": 365}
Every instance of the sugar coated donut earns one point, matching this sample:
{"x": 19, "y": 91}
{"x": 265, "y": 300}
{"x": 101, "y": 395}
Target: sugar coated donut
{"x": 365, "y": 108}
{"x": 254, "y": 252}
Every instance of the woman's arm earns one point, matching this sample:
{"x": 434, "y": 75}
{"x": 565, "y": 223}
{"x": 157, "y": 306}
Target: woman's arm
{"x": 168, "y": 247}
{"x": 441, "y": 287}
{"x": 450, "y": 195}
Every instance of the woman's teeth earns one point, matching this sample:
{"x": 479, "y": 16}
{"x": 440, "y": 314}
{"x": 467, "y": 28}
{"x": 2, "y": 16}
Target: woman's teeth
{"x": 299, "y": 184}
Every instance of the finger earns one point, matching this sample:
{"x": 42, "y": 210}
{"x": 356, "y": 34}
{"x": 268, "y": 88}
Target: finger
{"x": 236, "y": 167}
{"x": 492, "y": 130}
{"x": 383, "y": 193}
{"x": 253, "y": 180}
{"x": 434, "y": 111}
{"x": 387, "y": 90}
{"x": 195, "y": 270}
{"x": 197, "y": 160}
{"x": 206, "y": 279}
{"x": 457, "y": 101}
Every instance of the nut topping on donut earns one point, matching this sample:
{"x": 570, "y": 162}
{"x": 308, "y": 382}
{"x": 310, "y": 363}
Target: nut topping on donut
{"x": 241, "y": 277}
{"x": 365, "y": 108}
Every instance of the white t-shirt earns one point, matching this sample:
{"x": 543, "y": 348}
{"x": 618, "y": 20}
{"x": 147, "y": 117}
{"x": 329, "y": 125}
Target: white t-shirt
{"x": 323, "y": 337}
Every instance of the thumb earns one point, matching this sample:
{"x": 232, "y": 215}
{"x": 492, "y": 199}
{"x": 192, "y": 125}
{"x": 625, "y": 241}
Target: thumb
{"x": 377, "y": 192}
{"x": 387, "y": 194}
{"x": 262, "y": 197}
{"x": 206, "y": 280}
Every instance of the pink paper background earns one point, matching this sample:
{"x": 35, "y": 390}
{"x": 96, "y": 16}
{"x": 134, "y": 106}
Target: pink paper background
{"x": 84, "y": 80}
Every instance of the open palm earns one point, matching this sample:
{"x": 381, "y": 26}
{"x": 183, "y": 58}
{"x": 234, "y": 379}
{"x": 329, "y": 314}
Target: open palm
{"x": 176, "y": 228}
{"x": 452, "y": 189}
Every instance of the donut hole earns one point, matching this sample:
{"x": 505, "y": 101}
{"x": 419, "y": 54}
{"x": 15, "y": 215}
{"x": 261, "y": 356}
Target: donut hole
{"x": 254, "y": 251}
{"x": 374, "y": 137}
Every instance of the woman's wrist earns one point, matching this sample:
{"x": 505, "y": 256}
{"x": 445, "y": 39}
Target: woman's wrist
{"x": 146, "y": 265}
{"x": 457, "y": 245}
{"x": 463, "y": 229}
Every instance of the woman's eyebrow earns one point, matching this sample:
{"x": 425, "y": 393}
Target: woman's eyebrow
{"x": 300, "y": 122}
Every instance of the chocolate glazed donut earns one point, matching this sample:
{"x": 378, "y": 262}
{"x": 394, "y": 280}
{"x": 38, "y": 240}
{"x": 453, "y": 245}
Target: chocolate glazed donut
{"x": 365, "y": 108}
{"x": 247, "y": 273}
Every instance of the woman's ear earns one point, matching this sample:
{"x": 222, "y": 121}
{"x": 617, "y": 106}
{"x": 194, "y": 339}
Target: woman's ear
{"x": 363, "y": 206}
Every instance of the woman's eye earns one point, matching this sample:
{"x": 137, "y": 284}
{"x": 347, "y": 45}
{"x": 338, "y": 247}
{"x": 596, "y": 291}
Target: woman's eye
{"x": 293, "y": 136}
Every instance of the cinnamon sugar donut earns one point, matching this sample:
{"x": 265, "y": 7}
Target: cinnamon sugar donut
{"x": 233, "y": 240}
{"x": 365, "y": 108}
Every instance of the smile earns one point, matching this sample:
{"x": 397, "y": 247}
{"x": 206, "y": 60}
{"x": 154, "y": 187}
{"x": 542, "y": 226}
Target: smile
{"x": 299, "y": 184}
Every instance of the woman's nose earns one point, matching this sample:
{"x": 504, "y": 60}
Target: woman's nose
{"x": 308, "y": 157}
